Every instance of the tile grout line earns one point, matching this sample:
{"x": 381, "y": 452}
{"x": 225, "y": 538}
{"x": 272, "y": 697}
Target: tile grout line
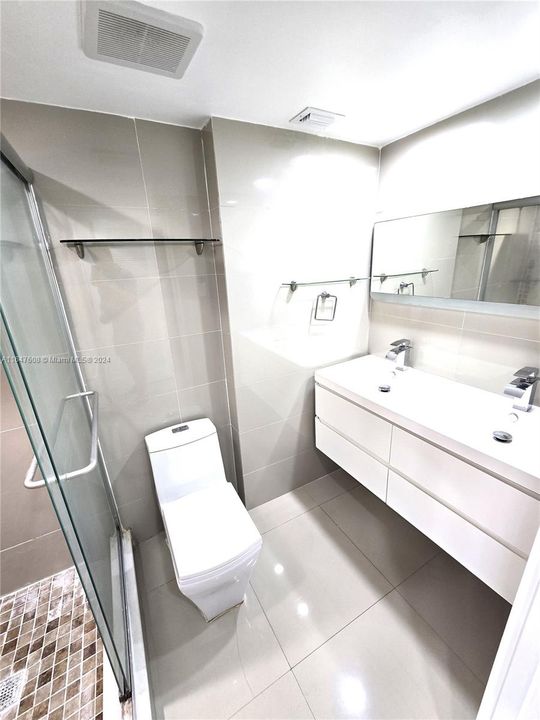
{"x": 132, "y": 278}
{"x": 303, "y": 512}
{"x": 392, "y": 588}
{"x": 454, "y": 652}
{"x": 386, "y": 594}
{"x": 163, "y": 338}
{"x": 275, "y": 422}
{"x": 159, "y": 278}
{"x": 147, "y": 208}
{"x": 260, "y": 693}
{"x": 303, "y": 695}
{"x": 271, "y": 628}
{"x": 289, "y": 457}
{"x": 220, "y": 311}
{"x": 428, "y": 623}
{"x": 358, "y": 548}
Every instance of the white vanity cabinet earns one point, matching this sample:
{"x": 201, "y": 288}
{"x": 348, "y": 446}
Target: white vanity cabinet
{"x": 485, "y": 520}
{"x": 506, "y": 513}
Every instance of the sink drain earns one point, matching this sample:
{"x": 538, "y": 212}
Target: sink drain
{"x": 502, "y": 436}
{"x": 10, "y": 690}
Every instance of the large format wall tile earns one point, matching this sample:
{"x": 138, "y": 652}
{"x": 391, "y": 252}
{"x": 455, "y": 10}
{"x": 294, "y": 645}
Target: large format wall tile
{"x": 152, "y": 307}
{"x": 206, "y": 401}
{"x": 198, "y": 359}
{"x": 276, "y": 399}
{"x": 277, "y": 441}
{"x": 31, "y": 543}
{"x": 173, "y": 168}
{"x": 131, "y": 373}
{"x": 173, "y": 165}
{"x": 116, "y": 312}
{"x": 122, "y": 438}
{"x": 9, "y": 412}
{"x": 289, "y": 209}
{"x": 25, "y": 513}
{"x": 474, "y": 348}
{"x": 178, "y": 260}
{"x": 489, "y": 361}
{"x": 32, "y": 560}
{"x": 274, "y": 480}
{"x": 191, "y": 304}
{"x": 433, "y": 345}
{"x": 79, "y": 157}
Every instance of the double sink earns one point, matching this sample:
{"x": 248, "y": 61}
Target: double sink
{"x": 425, "y": 445}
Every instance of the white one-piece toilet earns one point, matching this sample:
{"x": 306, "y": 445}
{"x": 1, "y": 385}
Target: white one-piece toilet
{"x": 213, "y": 541}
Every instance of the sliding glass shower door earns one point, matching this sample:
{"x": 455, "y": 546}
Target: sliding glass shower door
{"x": 60, "y": 414}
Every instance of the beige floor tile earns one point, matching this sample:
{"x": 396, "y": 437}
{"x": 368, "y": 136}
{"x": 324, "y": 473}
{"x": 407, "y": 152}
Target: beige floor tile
{"x": 208, "y": 670}
{"x": 311, "y": 581}
{"x": 156, "y": 567}
{"x": 465, "y": 612}
{"x": 283, "y": 508}
{"x": 281, "y": 701}
{"x": 392, "y": 544}
{"x": 329, "y": 486}
{"x": 388, "y": 663}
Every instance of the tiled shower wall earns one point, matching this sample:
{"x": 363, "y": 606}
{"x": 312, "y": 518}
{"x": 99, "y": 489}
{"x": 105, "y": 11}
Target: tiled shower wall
{"x": 31, "y": 543}
{"x": 149, "y": 312}
{"x": 292, "y": 206}
{"x": 458, "y": 163}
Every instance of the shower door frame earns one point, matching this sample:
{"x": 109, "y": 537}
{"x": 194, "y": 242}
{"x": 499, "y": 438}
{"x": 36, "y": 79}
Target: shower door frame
{"x": 10, "y": 158}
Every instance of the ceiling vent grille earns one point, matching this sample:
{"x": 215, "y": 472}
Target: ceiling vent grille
{"x": 133, "y": 35}
{"x": 315, "y": 119}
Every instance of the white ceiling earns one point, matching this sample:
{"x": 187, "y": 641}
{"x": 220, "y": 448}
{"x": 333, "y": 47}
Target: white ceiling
{"x": 390, "y": 67}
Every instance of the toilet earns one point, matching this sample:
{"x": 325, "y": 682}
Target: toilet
{"x": 213, "y": 541}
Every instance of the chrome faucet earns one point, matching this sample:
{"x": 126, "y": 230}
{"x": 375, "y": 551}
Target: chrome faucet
{"x": 522, "y": 388}
{"x": 399, "y": 353}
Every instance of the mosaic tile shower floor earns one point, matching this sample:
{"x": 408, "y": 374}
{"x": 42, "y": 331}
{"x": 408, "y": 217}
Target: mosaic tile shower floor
{"x": 47, "y": 631}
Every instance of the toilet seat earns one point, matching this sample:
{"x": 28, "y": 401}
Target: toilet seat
{"x": 210, "y": 534}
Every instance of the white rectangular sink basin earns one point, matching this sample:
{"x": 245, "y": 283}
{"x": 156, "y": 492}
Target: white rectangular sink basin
{"x": 457, "y": 417}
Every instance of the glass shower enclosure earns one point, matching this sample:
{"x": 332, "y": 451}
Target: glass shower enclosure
{"x": 60, "y": 413}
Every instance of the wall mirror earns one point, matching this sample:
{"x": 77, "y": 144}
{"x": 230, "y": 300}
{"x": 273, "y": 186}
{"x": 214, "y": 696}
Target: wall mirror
{"x": 484, "y": 258}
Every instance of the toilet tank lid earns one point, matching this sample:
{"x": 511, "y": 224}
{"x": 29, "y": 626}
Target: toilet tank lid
{"x": 179, "y": 434}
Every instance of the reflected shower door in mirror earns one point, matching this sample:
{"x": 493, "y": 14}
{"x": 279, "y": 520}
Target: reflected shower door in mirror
{"x": 486, "y": 254}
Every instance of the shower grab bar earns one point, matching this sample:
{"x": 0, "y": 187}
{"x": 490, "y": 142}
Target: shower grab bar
{"x": 29, "y": 481}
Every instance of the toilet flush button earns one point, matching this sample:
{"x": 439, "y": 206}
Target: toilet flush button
{"x": 180, "y": 428}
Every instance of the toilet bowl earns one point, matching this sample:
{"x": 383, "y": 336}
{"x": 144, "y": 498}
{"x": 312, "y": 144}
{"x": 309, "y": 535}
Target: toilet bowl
{"x": 213, "y": 541}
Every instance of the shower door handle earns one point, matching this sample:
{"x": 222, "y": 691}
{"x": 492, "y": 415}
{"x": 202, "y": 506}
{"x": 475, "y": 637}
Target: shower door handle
{"x": 92, "y": 395}
{"x": 29, "y": 481}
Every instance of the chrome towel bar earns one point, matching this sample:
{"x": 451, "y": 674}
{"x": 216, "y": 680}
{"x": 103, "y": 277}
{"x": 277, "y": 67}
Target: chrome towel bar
{"x": 351, "y": 280}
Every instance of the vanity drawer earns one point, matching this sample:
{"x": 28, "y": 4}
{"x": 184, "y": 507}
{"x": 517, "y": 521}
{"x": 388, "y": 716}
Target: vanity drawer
{"x": 356, "y": 462}
{"x": 511, "y": 516}
{"x": 495, "y": 564}
{"x": 364, "y": 428}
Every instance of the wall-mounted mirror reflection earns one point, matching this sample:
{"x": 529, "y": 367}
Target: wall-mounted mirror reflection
{"x": 486, "y": 253}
